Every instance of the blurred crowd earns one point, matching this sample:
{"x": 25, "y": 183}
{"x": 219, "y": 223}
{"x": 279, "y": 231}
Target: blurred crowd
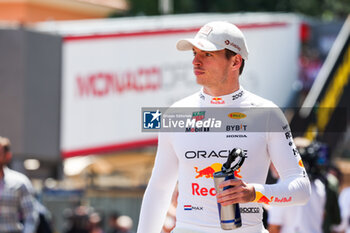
{"x": 84, "y": 219}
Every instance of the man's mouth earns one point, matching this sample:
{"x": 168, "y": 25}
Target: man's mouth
{"x": 198, "y": 71}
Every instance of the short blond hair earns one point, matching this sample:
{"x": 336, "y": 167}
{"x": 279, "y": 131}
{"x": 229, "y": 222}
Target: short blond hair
{"x": 5, "y": 143}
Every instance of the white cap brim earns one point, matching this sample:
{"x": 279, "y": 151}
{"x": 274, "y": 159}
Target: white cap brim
{"x": 202, "y": 44}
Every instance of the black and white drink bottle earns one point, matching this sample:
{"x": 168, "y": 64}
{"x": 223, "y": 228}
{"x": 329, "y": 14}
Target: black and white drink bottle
{"x": 230, "y": 215}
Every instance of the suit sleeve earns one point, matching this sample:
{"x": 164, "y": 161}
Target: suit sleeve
{"x": 294, "y": 186}
{"x": 157, "y": 197}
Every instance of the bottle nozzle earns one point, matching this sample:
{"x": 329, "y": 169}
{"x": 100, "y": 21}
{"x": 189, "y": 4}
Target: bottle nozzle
{"x": 236, "y": 152}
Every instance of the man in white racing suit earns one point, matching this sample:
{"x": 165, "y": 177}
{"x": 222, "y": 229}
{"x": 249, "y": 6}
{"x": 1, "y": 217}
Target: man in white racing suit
{"x": 191, "y": 158}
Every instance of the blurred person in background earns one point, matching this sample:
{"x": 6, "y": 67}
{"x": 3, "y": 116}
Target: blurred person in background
{"x": 344, "y": 203}
{"x": 95, "y": 223}
{"x": 219, "y": 54}
{"x": 325, "y": 187}
{"x": 310, "y": 64}
{"x": 45, "y": 219}
{"x": 333, "y": 180}
{"x": 17, "y": 203}
{"x": 124, "y": 224}
{"x": 78, "y": 219}
{"x": 112, "y": 222}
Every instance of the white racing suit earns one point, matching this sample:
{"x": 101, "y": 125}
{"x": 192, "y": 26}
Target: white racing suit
{"x": 191, "y": 158}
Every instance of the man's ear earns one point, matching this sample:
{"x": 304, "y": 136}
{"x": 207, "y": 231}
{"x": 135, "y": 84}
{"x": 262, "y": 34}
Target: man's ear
{"x": 237, "y": 61}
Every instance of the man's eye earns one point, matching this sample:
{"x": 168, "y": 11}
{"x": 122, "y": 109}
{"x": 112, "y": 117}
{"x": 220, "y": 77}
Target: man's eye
{"x": 208, "y": 54}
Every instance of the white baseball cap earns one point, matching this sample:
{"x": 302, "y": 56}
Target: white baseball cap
{"x": 217, "y": 35}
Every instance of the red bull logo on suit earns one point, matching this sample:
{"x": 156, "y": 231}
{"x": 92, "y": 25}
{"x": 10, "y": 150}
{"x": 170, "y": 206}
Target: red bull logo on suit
{"x": 208, "y": 172}
{"x": 261, "y": 198}
{"x": 217, "y": 100}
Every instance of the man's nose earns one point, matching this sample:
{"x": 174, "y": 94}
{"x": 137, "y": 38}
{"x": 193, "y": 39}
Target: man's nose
{"x": 196, "y": 60}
